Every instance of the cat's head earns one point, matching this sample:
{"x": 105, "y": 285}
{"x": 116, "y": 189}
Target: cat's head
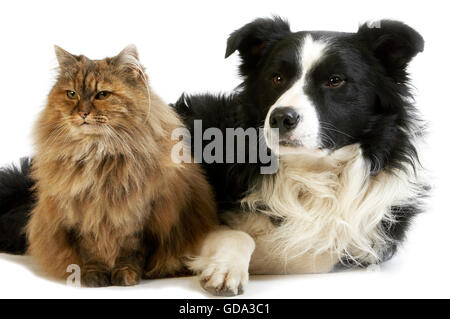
{"x": 97, "y": 98}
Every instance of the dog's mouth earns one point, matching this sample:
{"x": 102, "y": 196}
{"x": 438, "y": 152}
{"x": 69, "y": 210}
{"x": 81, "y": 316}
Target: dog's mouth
{"x": 295, "y": 141}
{"x": 290, "y": 143}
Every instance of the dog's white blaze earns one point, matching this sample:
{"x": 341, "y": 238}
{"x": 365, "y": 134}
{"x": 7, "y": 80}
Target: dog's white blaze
{"x": 307, "y": 132}
{"x": 332, "y": 208}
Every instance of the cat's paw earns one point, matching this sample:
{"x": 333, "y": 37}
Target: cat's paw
{"x": 225, "y": 280}
{"x": 96, "y": 278}
{"x": 125, "y": 276}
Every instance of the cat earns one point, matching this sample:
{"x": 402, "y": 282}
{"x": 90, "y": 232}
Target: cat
{"x": 109, "y": 198}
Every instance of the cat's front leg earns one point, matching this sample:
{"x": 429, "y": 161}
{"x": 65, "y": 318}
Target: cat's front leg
{"x": 96, "y": 274}
{"x": 97, "y": 260}
{"x": 129, "y": 264}
{"x": 50, "y": 242}
{"x": 114, "y": 259}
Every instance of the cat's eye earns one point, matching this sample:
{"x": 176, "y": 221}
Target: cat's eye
{"x": 102, "y": 95}
{"x": 277, "y": 80}
{"x": 335, "y": 81}
{"x": 71, "y": 94}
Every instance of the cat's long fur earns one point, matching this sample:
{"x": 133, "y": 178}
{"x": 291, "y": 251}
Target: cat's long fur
{"x": 114, "y": 203}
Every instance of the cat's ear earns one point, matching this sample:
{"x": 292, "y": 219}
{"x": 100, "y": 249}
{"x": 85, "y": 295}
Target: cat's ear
{"x": 255, "y": 39}
{"x": 128, "y": 59}
{"x": 129, "y": 53}
{"x": 65, "y": 59}
{"x": 393, "y": 43}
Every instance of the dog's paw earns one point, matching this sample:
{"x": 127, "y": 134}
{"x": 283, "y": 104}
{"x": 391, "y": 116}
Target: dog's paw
{"x": 125, "y": 276}
{"x": 225, "y": 280}
{"x": 224, "y": 261}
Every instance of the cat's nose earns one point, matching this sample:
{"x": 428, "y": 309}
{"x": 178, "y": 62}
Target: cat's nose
{"x": 83, "y": 115}
{"x": 84, "y": 109}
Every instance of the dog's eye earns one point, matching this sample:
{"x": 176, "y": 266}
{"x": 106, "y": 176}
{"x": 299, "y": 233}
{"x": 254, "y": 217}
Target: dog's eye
{"x": 277, "y": 80}
{"x": 334, "y": 81}
{"x": 102, "y": 95}
{"x": 71, "y": 94}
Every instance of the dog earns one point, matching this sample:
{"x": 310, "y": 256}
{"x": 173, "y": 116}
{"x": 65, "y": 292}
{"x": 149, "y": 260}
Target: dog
{"x": 337, "y": 110}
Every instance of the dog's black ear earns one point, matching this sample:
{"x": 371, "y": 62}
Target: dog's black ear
{"x": 255, "y": 39}
{"x": 393, "y": 43}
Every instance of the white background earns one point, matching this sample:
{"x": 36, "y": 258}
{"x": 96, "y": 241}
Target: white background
{"x": 182, "y": 44}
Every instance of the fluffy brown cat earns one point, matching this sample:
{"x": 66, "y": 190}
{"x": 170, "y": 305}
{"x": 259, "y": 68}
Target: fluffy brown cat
{"x": 109, "y": 197}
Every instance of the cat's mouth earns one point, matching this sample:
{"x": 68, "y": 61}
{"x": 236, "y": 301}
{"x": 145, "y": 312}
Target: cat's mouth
{"x": 88, "y": 129}
{"x": 95, "y": 121}
{"x": 88, "y": 126}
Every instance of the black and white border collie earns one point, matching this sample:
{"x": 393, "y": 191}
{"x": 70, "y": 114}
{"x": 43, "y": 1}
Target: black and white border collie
{"x": 348, "y": 180}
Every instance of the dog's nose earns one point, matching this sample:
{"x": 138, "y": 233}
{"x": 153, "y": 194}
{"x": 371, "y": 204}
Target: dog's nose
{"x": 285, "y": 119}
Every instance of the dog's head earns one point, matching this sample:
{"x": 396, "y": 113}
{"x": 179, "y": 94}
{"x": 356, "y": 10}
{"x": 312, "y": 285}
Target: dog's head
{"x": 325, "y": 90}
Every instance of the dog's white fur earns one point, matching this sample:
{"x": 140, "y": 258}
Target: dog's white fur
{"x": 331, "y": 208}
{"x": 307, "y": 133}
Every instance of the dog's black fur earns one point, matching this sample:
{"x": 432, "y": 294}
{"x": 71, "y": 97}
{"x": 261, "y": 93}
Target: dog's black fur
{"x": 16, "y": 202}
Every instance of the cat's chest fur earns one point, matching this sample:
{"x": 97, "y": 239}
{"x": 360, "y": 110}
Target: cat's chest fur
{"x": 100, "y": 190}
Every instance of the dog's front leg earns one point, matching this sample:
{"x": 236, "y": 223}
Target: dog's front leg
{"x": 223, "y": 261}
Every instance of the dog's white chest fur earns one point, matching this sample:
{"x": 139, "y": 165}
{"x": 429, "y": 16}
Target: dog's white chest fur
{"x": 329, "y": 207}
